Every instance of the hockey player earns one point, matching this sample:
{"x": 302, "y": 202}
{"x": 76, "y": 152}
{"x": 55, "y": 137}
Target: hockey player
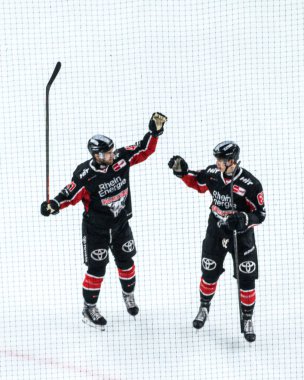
{"x": 102, "y": 184}
{"x": 248, "y": 211}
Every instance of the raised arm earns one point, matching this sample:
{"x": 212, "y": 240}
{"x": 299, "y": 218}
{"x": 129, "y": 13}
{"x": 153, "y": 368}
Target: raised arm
{"x": 193, "y": 179}
{"x": 140, "y": 151}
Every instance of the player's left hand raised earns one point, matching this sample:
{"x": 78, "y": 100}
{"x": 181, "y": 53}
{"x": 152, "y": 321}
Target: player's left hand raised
{"x": 179, "y": 166}
{"x": 156, "y": 124}
{"x": 238, "y": 221}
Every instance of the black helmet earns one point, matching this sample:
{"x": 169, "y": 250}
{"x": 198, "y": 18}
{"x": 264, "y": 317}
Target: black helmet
{"x": 228, "y": 150}
{"x": 100, "y": 144}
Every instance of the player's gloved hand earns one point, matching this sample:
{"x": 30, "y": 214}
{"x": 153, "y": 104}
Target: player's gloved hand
{"x": 179, "y": 166}
{"x": 49, "y": 208}
{"x": 156, "y": 124}
{"x": 238, "y": 221}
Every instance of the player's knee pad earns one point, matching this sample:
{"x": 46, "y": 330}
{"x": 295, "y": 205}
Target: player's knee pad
{"x": 125, "y": 263}
{"x": 211, "y": 270}
{"x": 247, "y": 283}
{"x": 248, "y": 271}
{"x": 97, "y": 271}
{"x": 97, "y": 262}
{"x": 127, "y": 249}
{"x": 211, "y": 277}
{"x": 123, "y": 256}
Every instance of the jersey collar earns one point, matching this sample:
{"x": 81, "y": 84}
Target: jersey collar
{"x": 100, "y": 169}
{"x": 227, "y": 180}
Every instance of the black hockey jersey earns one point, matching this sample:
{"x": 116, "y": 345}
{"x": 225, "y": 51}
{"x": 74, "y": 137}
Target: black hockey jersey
{"x": 247, "y": 193}
{"x": 105, "y": 191}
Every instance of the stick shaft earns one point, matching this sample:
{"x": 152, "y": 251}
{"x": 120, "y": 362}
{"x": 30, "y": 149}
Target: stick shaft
{"x": 236, "y": 254}
{"x": 47, "y": 129}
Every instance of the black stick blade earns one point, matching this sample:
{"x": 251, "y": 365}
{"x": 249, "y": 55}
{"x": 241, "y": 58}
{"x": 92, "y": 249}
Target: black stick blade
{"x": 54, "y": 75}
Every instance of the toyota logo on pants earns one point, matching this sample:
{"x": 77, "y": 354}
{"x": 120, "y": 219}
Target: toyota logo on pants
{"x": 99, "y": 254}
{"x": 208, "y": 264}
{"x": 128, "y": 246}
{"x": 247, "y": 267}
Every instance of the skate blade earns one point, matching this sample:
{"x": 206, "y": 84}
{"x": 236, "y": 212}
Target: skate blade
{"x": 91, "y": 324}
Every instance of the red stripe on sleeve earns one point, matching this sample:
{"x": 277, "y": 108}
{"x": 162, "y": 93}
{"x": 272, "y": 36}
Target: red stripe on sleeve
{"x": 82, "y": 193}
{"x": 191, "y": 181}
{"x": 86, "y": 199}
{"x": 251, "y": 205}
{"x": 144, "y": 154}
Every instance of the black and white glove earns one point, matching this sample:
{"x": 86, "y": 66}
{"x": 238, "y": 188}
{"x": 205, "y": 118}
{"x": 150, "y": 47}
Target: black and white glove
{"x": 179, "y": 166}
{"x": 156, "y": 124}
{"x": 52, "y": 207}
{"x": 238, "y": 221}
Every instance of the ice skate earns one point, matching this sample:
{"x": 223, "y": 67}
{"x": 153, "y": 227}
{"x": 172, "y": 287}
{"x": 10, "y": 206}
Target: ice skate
{"x": 249, "y": 334}
{"x": 132, "y": 308}
{"x": 202, "y": 316}
{"x": 93, "y": 318}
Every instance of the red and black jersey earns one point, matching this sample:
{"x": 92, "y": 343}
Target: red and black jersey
{"x": 247, "y": 193}
{"x": 105, "y": 191}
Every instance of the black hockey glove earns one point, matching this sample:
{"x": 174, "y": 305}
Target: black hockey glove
{"x": 179, "y": 166}
{"x": 49, "y": 208}
{"x": 238, "y": 221}
{"x": 156, "y": 124}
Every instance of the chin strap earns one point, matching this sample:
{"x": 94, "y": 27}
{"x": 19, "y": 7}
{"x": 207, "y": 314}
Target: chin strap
{"x": 98, "y": 165}
{"x": 228, "y": 166}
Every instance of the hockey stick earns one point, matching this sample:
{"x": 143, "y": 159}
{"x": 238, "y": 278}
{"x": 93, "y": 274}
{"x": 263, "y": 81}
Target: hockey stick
{"x": 236, "y": 252}
{"x": 47, "y": 129}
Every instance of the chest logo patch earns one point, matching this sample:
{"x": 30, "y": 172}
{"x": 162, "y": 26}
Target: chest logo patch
{"x": 239, "y": 190}
{"x": 119, "y": 165}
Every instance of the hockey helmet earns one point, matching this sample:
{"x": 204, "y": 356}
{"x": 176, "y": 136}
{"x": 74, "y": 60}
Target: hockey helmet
{"x": 100, "y": 144}
{"x": 227, "y": 150}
